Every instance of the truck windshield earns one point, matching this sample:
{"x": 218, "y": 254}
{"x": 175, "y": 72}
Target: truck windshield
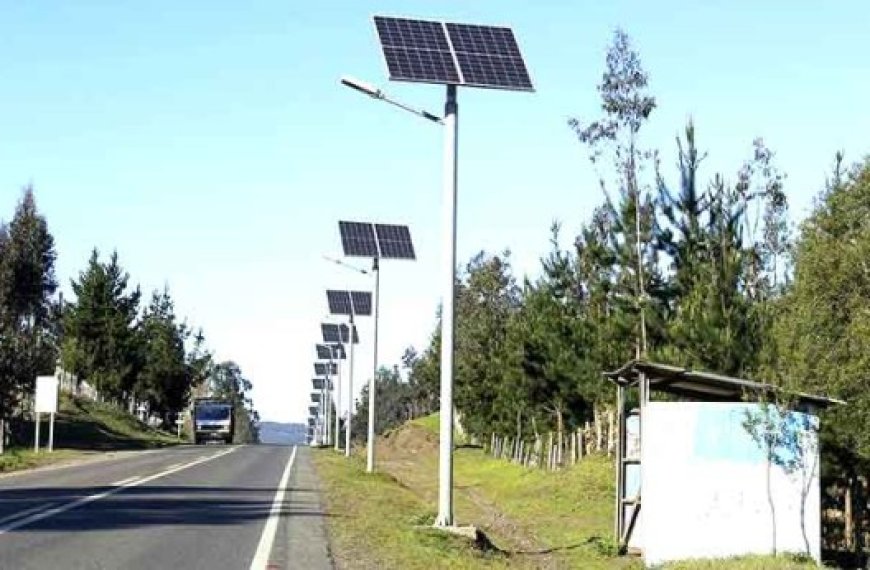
{"x": 213, "y": 412}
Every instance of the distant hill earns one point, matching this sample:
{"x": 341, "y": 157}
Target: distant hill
{"x": 287, "y": 434}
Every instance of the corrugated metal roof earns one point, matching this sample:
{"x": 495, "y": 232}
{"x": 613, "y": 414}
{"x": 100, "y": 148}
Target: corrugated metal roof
{"x": 701, "y": 385}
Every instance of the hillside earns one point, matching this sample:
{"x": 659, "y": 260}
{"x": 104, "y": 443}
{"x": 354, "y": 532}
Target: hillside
{"x": 82, "y": 427}
{"x": 283, "y": 433}
{"x": 534, "y": 519}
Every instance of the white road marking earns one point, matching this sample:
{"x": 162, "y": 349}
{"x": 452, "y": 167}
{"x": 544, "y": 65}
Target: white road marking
{"x": 125, "y": 481}
{"x": 264, "y": 548}
{"x": 174, "y": 465}
{"x": 44, "y": 514}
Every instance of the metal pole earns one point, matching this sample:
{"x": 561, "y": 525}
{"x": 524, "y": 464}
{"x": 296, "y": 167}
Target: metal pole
{"x": 36, "y": 436}
{"x": 349, "y": 393}
{"x": 329, "y": 400}
{"x": 338, "y": 405}
{"x": 370, "y": 455}
{"x": 448, "y": 292}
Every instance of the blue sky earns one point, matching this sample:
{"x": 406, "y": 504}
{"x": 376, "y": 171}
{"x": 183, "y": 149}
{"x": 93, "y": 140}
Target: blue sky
{"x": 211, "y": 144}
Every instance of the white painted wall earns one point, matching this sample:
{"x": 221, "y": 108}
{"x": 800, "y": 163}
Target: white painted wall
{"x": 704, "y": 491}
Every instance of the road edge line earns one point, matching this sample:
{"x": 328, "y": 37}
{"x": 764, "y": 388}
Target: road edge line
{"x": 267, "y": 539}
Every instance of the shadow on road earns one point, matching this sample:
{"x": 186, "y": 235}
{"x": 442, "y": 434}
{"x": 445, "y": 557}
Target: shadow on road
{"x": 152, "y": 505}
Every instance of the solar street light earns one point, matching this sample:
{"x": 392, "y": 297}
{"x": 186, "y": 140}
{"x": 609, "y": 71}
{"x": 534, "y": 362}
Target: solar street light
{"x": 377, "y": 241}
{"x": 452, "y": 55}
{"x": 350, "y": 303}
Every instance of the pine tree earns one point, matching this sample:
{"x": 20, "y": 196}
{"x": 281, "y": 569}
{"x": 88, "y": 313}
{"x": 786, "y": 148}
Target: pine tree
{"x": 102, "y": 343}
{"x": 27, "y": 282}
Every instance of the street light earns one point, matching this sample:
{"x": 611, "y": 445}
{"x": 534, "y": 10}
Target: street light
{"x": 452, "y": 55}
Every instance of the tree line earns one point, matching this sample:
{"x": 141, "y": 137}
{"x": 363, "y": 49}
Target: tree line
{"x": 695, "y": 270}
{"x": 130, "y": 350}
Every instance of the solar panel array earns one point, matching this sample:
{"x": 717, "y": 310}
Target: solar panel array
{"x": 452, "y": 54}
{"x": 394, "y": 241}
{"x": 324, "y": 352}
{"x": 338, "y": 352}
{"x": 358, "y": 303}
{"x": 330, "y": 333}
{"x": 345, "y": 334}
{"x": 362, "y": 302}
{"x": 339, "y": 302}
{"x": 386, "y": 241}
{"x": 416, "y": 50}
{"x": 324, "y": 368}
{"x": 358, "y": 239}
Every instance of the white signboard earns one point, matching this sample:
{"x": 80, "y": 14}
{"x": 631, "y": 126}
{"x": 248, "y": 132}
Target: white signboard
{"x": 704, "y": 482}
{"x": 46, "y": 395}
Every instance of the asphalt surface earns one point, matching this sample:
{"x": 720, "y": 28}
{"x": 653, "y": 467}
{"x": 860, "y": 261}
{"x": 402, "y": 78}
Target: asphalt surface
{"x": 209, "y": 507}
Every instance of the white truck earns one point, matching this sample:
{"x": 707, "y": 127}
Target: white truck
{"x": 212, "y": 420}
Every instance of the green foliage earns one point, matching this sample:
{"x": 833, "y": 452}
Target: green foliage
{"x": 227, "y": 381}
{"x": 102, "y": 340}
{"x": 823, "y": 333}
{"x": 27, "y": 282}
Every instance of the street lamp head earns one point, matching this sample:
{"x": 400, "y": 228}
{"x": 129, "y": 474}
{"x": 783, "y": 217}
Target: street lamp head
{"x": 362, "y": 87}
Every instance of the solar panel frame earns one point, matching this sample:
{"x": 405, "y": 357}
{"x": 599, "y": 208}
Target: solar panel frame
{"x": 339, "y": 302}
{"x": 331, "y": 333}
{"x": 416, "y": 50}
{"x": 324, "y": 368}
{"x": 475, "y": 56}
{"x": 338, "y": 351}
{"x": 358, "y": 239}
{"x": 489, "y": 57}
{"x": 362, "y": 303}
{"x": 394, "y": 241}
{"x": 345, "y": 334}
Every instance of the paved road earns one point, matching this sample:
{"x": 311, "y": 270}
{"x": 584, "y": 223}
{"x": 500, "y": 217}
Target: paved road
{"x": 209, "y": 507}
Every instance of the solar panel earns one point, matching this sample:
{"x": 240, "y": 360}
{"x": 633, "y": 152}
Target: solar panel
{"x": 315, "y": 396}
{"x": 311, "y": 422}
{"x": 394, "y": 241}
{"x": 358, "y": 239}
{"x": 318, "y": 383}
{"x": 345, "y": 330}
{"x": 416, "y": 50}
{"x": 362, "y": 302}
{"x": 339, "y": 302}
{"x": 313, "y": 410}
{"x": 330, "y": 333}
{"x": 338, "y": 352}
{"x": 452, "y": 54}
{"x": 489, "y": 56}
{"x": 323, "y": 368}
{"x": 324, "y": 352}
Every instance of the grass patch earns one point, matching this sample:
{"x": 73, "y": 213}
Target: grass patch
{"x": 538, "y": 519}
{"x": 82, "y": 426}
{"x": 375, "y": 522}
{"x": 781, "y": 562}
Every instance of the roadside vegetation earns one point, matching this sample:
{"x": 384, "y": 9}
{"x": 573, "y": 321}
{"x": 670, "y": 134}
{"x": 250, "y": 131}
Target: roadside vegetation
{"x": 531, "y": 518}
{"x": 680, "y": 264}
{"x": 111, "y": 344}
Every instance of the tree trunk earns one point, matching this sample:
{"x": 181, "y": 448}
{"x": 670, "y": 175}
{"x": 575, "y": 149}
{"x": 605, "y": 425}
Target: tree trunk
{"x": 772, "y": 510}
{"x": 560, "y": 430}
{"x": 2, "y": 437}
{"x": 848, "y": 517}
{"x": 580, "y": 444}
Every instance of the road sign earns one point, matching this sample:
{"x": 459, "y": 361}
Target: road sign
{"x": 46, "y": 395}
